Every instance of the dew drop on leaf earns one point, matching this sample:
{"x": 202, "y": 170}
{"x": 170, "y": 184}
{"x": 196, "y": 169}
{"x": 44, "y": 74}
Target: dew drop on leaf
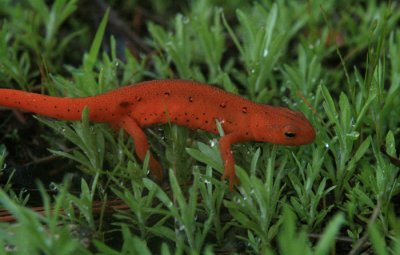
{"x": 265, "y": 53}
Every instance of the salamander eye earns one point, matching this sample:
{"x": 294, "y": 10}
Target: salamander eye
{"x": 290, "y": 134}
{"x": 290, "y": 131}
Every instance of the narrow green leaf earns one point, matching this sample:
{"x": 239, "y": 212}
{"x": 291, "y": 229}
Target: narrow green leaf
{"x": 328, "y": 237}
{"x": 91, "y": 58}
{"x": 377, "y": 240}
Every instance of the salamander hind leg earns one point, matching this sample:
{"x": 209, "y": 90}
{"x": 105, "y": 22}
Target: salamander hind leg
{"x": 225, "y": 144}
{"x": 142, "y": 146}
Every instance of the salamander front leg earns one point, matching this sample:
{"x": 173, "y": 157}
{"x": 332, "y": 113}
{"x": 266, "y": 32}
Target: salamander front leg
{"x": 142, "y": 146}
{"x": 225, "y": 144}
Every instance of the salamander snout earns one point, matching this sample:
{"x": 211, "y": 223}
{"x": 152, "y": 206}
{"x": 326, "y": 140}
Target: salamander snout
{"x": 294, "y": 134}
{"x": 298, "y": 129}
{"x": 282, "y": 126}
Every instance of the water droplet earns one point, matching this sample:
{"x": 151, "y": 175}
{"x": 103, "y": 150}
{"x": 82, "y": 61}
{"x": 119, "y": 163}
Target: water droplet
{"x": 41, "y": 229}
{"x": 237, "y": 200}
{"x": 265, "y": 53}
{"x": 213, "y": 142}
{"x": 185, "y": 20}
{"x": 181, "y": 228}
{"x": 53, "y": 186}
{"x": 205, "y": 180}
{"x": 353, "y": 135}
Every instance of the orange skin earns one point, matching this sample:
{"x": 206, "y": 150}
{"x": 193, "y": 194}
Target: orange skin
{"x": 185, "y": 103}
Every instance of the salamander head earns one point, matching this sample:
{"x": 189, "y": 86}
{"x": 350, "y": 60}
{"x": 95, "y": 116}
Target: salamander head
{"x": 282, "y": 126}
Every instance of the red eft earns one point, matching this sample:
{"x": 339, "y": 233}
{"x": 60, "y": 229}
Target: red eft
{"x": 187, "y": 103}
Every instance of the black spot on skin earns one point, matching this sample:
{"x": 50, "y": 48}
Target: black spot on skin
{"x": 247, "y": 133}
{"x": 124, "y": 104}
{"x": 244, "y": 110}
{"x": 187, "y": 120}
{"x": 206, "y": 121}
{"x": 167, "y": 94}
{"x": 197, "y": 118}
{"x": 68, "y": 110}
{"x": 190, "y": 99}
{"x": 222, "y": 105}
{"x": 138, "y": 98}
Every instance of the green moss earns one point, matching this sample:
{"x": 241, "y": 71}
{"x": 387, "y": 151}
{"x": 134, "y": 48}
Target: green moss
{"x": 336, "y": 61}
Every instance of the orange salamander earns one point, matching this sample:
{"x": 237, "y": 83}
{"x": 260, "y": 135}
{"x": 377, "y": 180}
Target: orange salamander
{"x": 187, "y": 103}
